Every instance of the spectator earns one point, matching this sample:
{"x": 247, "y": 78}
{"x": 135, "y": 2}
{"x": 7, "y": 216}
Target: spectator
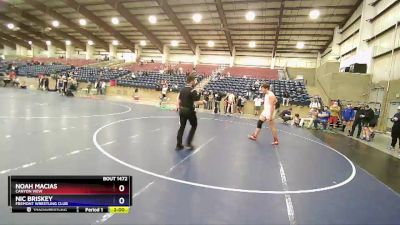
{"x": 323, "y": 118}
{"x": 257, "y": 83}
{"x": 286, "y": 115}
{"x": 286, "y": 98}
{"x": 360, "y": 113}
{"x": 373, "y": 124}
{"x": 395, "y": 129}
{"x": 315, "y": 104}
{"x": 313, "y": 115}
{"x": 367, "y": 119}
{"x": 335, "y": 111}
{"x": 257, "y": 105}
{"x": 230, "y": 103}
{"x": 296, "y": 120}
{"x": 218, "y": 98}
{"x": 347, "y": 118}
{"x": 210, "y": 101}
{"x": 240, "y": 104}
{"x": 206, "y": 99}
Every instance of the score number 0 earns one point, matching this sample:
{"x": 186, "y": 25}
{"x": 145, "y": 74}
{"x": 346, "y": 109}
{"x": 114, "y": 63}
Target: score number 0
{"x": 121, "y": 188}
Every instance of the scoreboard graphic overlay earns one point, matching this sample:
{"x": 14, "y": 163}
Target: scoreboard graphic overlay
{"x": 70, "y": 194}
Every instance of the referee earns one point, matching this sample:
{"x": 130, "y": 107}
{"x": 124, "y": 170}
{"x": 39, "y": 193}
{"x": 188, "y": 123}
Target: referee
{"x": 187, "y": 99}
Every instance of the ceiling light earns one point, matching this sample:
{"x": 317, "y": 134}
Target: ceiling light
{"x": 68, "y": 42}
{"x": 152, "y": 19}
{"x": 55, "y": 23}
{"x": 115, "y": 42}
{"x": 115, "y": 20}
{"x": 90, "y": 42}
{"x": 10, "y": 26}
{"x": 82, "y": 22}
{"x": 197, "y": 17}
{"x": 174, "y": 43}
{"x": 252, "y": 44}
{"x": 30, "y": 42}
{"x": 314, "y": 14}
{"x": 250, "y": 15}
{"x": 143, "y": 43}
{"x": 48, "y": 42}
{"x": 210, "y": 44}
{"x": 300, "y": 45}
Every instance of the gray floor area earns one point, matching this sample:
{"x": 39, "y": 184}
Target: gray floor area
{"x": 227, "y": 179}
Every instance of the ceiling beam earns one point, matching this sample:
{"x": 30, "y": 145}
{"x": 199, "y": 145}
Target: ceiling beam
{"x": 28, "y": 29}
{"x": 8, "y": 43}
{"x": 224, "y": 24}
{"x": 298, "y": 35}
{"x": 260, "y": 29}
{"x": 278, "y": 28}
{"x": 92, "y": 17}
{"x": 67, "y": 22}
{"x": 15, "y": 40}
{"x": 136, "y": 23}
{"x": 28, "y": 17}
{"x": 194, "y": 5}
{"x": 175, "y": 20}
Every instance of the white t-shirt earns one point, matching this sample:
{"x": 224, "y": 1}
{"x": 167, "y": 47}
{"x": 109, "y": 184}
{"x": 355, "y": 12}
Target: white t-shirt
{"x": 164, "y": 90}
{"x": 258, "y": 102}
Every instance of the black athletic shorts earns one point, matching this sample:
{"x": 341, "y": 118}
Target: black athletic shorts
{"x": 365, "y": 123}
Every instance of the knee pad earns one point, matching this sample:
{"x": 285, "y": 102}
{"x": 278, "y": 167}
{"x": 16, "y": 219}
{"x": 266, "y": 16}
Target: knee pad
{"x": 259, "y": 124}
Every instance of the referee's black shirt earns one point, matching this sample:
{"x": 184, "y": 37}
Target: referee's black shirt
{"x": 187, "y": 97}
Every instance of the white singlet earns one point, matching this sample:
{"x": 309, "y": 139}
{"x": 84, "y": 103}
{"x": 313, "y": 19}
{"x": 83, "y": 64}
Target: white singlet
{"x": 267, "y": 106}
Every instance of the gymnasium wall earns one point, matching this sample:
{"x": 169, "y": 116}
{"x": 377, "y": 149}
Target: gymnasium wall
{"x": 307, "y": 73}
{"x": 341, "y": 86}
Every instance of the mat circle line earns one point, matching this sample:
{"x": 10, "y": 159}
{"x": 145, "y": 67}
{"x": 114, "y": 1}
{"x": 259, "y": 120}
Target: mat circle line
{"x": 253, "y": 191}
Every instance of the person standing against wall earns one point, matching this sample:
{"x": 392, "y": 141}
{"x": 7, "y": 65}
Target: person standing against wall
{"x": 367, "y": 119}
{"x": 347, "y": 118}
{"x": 395, "y": 129}
{"x": 360, "y": 113}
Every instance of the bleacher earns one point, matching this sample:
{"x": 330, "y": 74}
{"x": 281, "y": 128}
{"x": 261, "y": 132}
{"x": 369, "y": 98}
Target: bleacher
{"x": 242, "y": 87}
{"x": 152, "y": 81}
{"x": 136, "y": 67}
{"x": 34, "y": 70}
{"x": 206, "y": 69}
{"x": 253, "y": 72}
{"x": 93, "y": 74}
{"x": 74, "y": 62}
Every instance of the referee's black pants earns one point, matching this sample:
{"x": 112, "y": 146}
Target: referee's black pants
{"x": 185, "y": 115}
{"x": 395, "y": 136}
{"x": 357, "y": 123}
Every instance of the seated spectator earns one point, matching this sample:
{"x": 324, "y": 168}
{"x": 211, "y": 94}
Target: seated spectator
{"x": 315, "y": 104}
{"x": 335, "y": 111}
{"x": 296, "y": 120}
{"x": 286, "y": 115}
{"x": 323, "y": 118}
